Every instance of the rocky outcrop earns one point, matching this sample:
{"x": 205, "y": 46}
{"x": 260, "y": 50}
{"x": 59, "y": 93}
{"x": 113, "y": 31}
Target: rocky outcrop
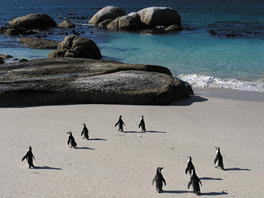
{"x": 84, "y": 81}
{"x": 146, "y": 19}
{"x": 33, "y": 21}
{"x": 66, "y": 24}
{"x": 38, "y": 43}
{"x": 159, "y": 16}
{"x": 76, "y": 47}
{"x": 109, "y": 12}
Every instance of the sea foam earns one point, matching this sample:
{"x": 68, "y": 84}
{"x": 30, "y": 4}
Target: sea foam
{"x": 210, "y": 81}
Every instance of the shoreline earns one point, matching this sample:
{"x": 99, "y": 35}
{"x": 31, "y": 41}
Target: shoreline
{"x": 225, "y": 93}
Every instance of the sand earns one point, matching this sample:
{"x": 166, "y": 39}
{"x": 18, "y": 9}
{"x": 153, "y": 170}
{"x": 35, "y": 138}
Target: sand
{"x": 116, "y": 164}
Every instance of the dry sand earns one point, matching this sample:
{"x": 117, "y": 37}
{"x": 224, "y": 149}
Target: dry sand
{"x": 115, "y": 164}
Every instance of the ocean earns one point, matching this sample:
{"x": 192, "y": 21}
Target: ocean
{"x": 194, "y": 54}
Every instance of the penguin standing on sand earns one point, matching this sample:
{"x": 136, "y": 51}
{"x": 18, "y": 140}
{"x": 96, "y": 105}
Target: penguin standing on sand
{"x": 194, "y": 182}
{"x": 71, "y": 140}
{"x": 120, "y": 123}
{"x": 218, "y": 158}
{"x": 190, "y": 165}
{"x": 85, "y": 132}
{"x": 142, "y": 124}
{"x": 159, "y": 180}
{"x": 29, "y": 156}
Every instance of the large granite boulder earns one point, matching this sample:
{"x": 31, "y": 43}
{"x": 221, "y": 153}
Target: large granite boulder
{"x": 159, "y": 16}
{"x": 38, "y": 43}
{"x": 82, "y": 81}
{"x": 76, "y": 47}
{"x": 32, "y": 21}
{"x": 109, "y": 12}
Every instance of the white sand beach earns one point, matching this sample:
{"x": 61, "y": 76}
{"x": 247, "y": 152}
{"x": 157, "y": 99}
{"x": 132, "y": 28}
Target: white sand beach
{"x": 116, "y": 164}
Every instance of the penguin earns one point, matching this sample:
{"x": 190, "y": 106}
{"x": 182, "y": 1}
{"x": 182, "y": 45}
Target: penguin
{"x": 159, "y": 180}
{"x": 71, "y": 140}
{"x": 120, "y": 123}
{"x": 194, "y": 181}
{"x": 85, "y": 132}
{"x": 218, "y": 158}
{"x": 29, "y": 156}
{"x": 142, "y": 124}
{"x": 190, "y": 165}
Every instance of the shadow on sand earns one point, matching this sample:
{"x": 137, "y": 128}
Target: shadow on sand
{"x": 236, "y": 169}
{"x": 85, "y": 148}
{"x": 98, "y": 139}
{"x": 210, "y": 178}
{"x": 145, "y": 132}
{"x": 46, "y": 167}
{"x": 214, "y": 193}
{"x": 189, "y": 101}
{"x": 176, "y": 191}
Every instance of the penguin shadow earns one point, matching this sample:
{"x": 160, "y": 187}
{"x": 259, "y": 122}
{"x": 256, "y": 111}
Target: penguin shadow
{"x": 99, "y": 139}
{"x": 176, "y": 191}
{"x": 237, "y": 169}
{"x": 210, "y": 178}
{"x": 213, "y": 193}
{"x": 84, "y": 147}
{"x": 144, "y": 132}
{"x": 46, "y": 167}
{"x": 189, "y": 101}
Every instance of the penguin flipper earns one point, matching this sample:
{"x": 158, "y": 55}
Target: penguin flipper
{"x": 164, "y": 181}
{"x": 200, "y": 181}
{"x": 186, "y": 170}
{"x": 189, "y": 184}
{"x": 215, "y": 160}
{"x": 24, "y": 158}
{"x": 153, "y": 181}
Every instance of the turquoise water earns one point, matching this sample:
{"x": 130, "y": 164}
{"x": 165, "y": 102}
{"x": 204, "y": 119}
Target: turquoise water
{"x": 193, "y": 54}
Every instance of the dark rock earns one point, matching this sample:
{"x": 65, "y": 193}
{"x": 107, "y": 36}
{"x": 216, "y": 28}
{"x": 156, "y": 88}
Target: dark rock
{"x": 23, "y": 60}
{"x": 38, "y": 43}
{"x": 78, "y": 47}
{"x": 2, "y": 61}
{"x": 84, "y": 81}
{"x": 32, "y": 21}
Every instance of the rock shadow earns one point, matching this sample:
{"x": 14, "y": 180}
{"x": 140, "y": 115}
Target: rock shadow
{"x": 214, "y": 193}
{"x": 189, "y": 101}
{"x": 85, "y": 148}
{"x": 47, "y": 167}
{"x": 236, "y": 169}
{"x": 210, "y": 178}
{"x": 100, "y": 139}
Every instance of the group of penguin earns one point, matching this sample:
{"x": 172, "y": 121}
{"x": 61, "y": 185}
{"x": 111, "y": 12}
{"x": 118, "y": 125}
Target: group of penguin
{"x": 85, "y": 132}
{"x": 158, "y": 179}
{"x": 194, "y": 180}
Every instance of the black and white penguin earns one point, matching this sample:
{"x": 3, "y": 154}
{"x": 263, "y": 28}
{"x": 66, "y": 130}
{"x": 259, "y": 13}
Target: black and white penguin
{"x": 158, "y": 179}
{"x": 142, "y": 124}
{"x": 71, "y": 140}
{"x": 218, "y": 159}
{"x": 120, "y": 123}
{"x": 190, "y": 165}
{"x": 85, "y": 132}
{"x": 29, "y": 156}
{"x": 194, "y": 182}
